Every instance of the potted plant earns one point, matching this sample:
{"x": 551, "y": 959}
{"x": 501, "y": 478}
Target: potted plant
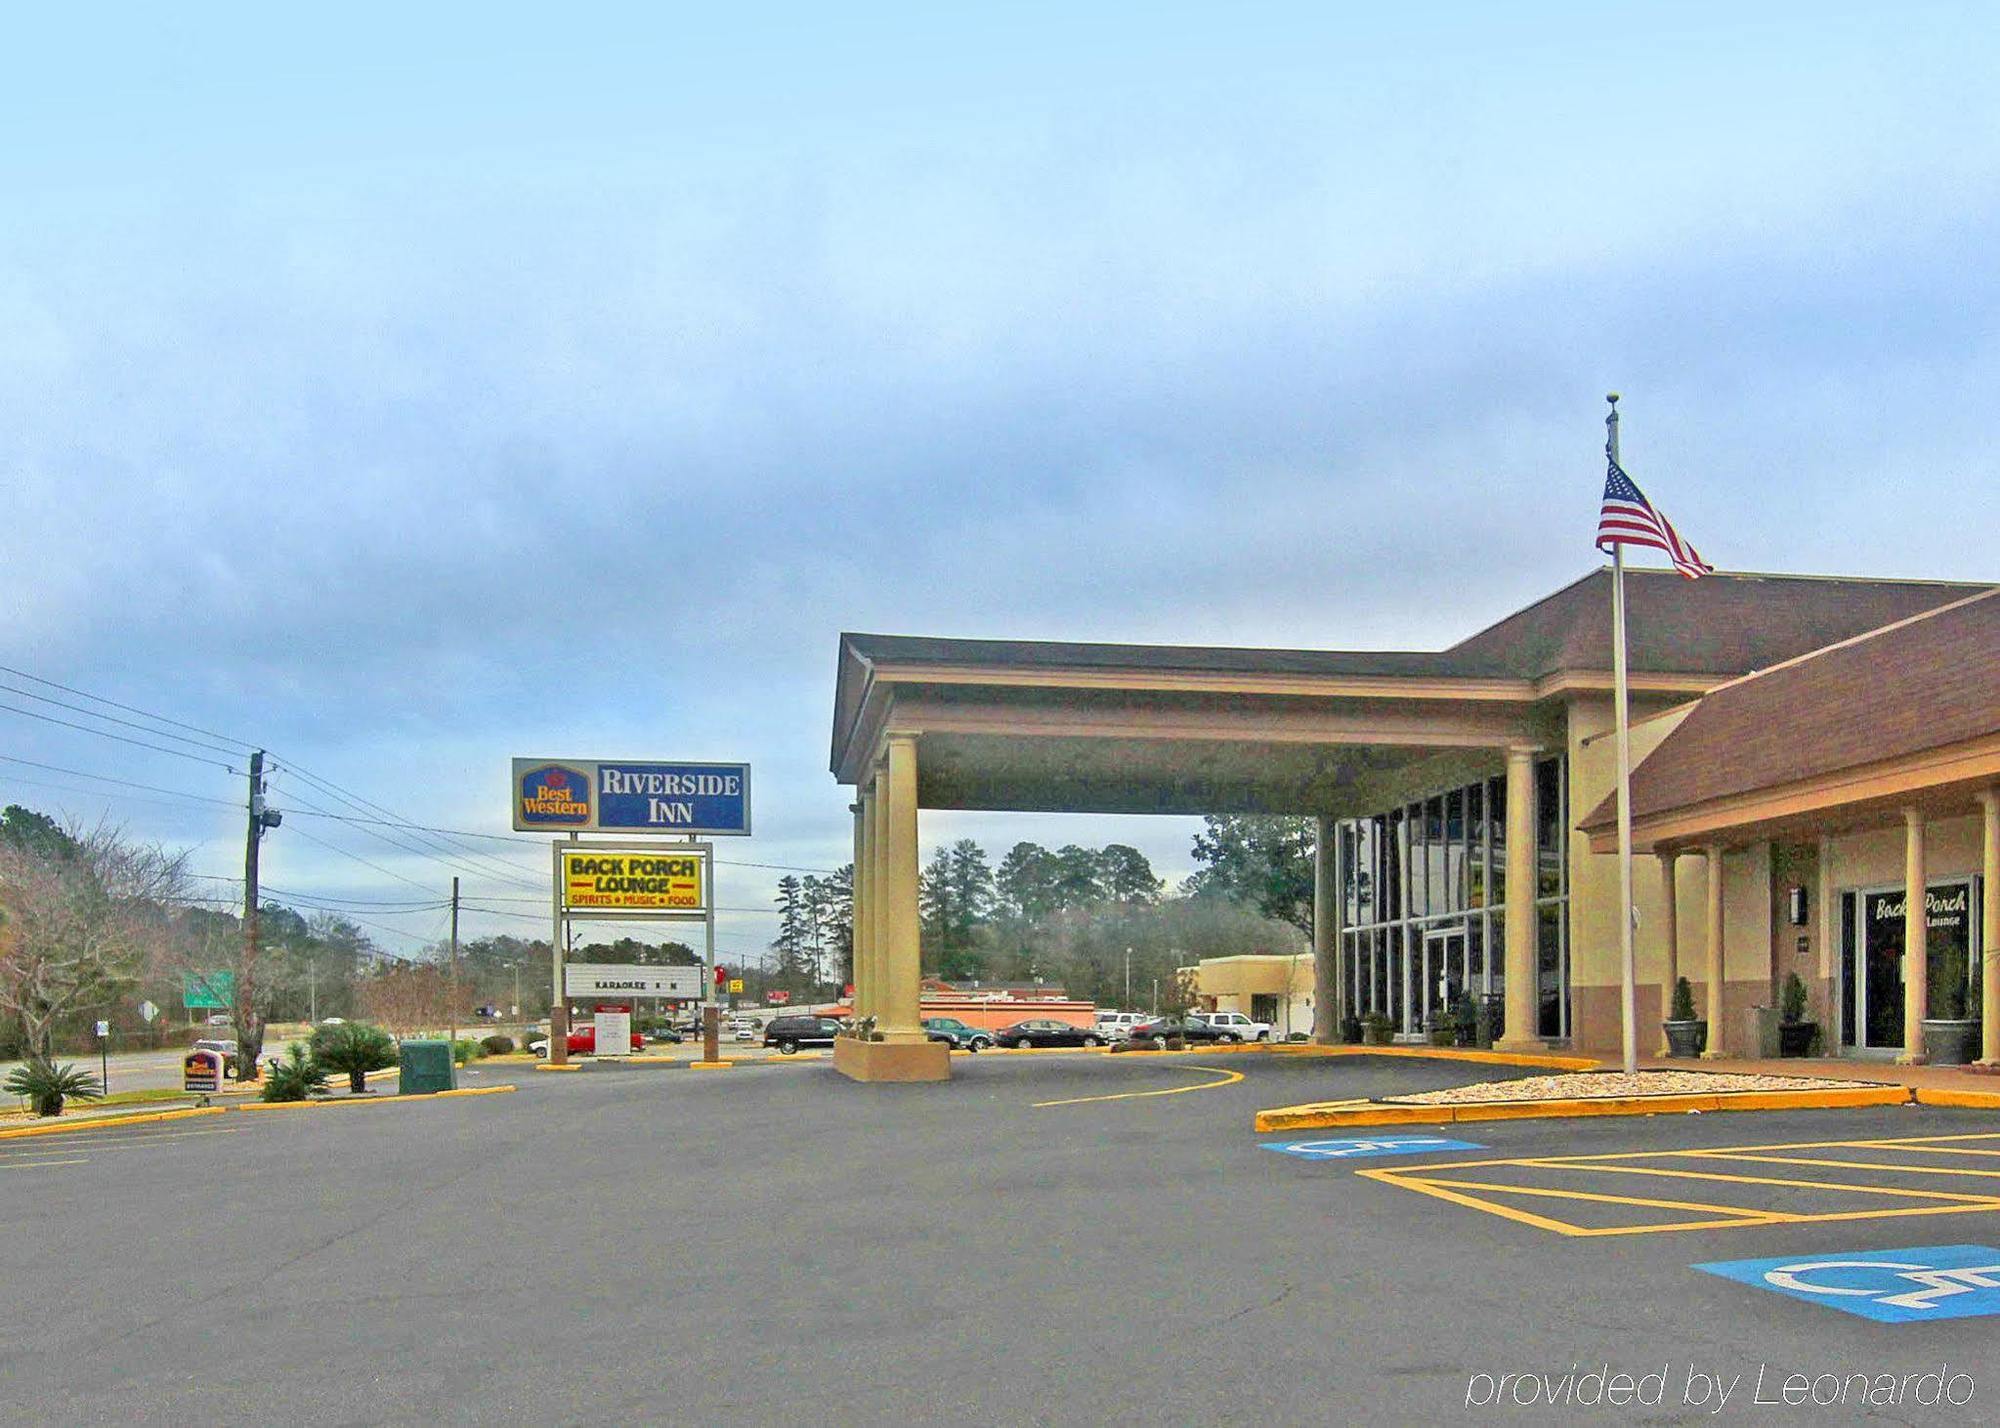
{"x": 1795, "y": 1032}
{"x": 1440, "y": 1028}
{"x": 1376, "y": 1029}
{"x": 1687, "y": 1036}
{"x": 45, "y": 1085}
{"x": 1952, "y": 1039}
{"x": 1465, "y": 1021}
{"x": 1350, "y": 1029}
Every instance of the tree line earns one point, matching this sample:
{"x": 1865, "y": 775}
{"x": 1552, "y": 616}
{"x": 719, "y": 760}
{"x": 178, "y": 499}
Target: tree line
{"x": 1098, "y": 922}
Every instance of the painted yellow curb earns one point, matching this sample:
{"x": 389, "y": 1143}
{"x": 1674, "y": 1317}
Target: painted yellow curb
{"x": 1317, "y": 1117}
{"x": 710, "y": 1065}
{"x": 566, "y": 1066}
{"x": 99, "y": 1122}
{"x": 1940, "y": 1096}
{"x": 397, "y": 1100}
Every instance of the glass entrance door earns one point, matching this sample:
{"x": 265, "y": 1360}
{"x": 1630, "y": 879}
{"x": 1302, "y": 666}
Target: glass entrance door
{"x": 1875, "y": 964}
{"x": 1444, "y": 970}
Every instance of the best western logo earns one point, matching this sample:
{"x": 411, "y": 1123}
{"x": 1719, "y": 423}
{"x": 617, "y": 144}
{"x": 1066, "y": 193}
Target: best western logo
{"x": 553, "y": 794}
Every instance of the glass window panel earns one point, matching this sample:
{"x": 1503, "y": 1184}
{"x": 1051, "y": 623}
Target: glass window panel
{"x": 1549, "y": 969}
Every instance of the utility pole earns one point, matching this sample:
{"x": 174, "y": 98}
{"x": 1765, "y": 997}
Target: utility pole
{"x": 312, "y": 989}
{"x": 451, "y": 994}
{"x": 1128, "y": 976}
{"x": 249, "y": 1026}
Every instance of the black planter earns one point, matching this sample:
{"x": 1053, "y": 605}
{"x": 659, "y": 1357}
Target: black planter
{"x": 1951, "y": 1043}
{"x": 1795, "y": 1038}
{"x": 1350, "y": 1031}
{"x": 1686, "y": 1039}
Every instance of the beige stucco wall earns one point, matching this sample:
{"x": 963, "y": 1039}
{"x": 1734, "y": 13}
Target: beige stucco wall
{"x": 1230, "y": 982}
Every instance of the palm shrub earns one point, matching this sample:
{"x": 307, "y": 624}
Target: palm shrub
{"x": 46, "y": 1085}
{"x": 296, "y": 1078}
{"x": 354, "y": 1047}
{"x": 1683, "y": 1007}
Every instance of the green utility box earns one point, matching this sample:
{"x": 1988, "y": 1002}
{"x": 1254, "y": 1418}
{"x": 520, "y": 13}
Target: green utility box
{"x": 427, "y": 1068}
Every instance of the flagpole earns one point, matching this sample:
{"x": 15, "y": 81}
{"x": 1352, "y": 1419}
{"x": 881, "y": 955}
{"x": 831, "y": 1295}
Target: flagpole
{"x": 1627, "y": 991}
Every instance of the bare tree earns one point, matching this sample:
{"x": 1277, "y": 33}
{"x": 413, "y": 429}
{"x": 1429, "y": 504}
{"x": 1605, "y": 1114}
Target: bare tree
{"x": 80, "y": 920}
{"x": 407, "y": 997}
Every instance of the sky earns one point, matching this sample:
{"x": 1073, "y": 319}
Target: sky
{"x": 404, "y": 389}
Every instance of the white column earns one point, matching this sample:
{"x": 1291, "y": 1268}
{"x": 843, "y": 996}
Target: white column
{"x": 1716, "y": 965}
{"x": 1670, "y": 934}
{"x": 1523, "y": 992}
{"x": 1989, "y": 929}
{"x": 1916, "y": 938}
{"x": 1328, "y": 981}
{"x": 864, "y": 905}
{"x": 902, "y": 967}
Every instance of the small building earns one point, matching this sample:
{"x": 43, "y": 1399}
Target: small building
{"x": 1272, "y": 987}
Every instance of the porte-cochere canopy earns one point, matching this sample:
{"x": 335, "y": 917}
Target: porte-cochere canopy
{"x": 923, "y": 722}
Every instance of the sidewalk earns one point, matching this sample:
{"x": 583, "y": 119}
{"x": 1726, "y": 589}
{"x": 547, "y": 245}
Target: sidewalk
{"x": 1838, "y": 1068}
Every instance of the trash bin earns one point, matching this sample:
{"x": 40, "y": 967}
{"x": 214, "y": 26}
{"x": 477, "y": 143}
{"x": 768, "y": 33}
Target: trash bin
{"x": 1764, "y": 1032}
{"x": 426, "y": 1068}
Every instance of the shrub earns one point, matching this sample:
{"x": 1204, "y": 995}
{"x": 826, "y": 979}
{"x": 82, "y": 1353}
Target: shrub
{"x": 296, "y": 1078}
{"x": 497, "y": 1045}
{"x": 46, "y": 1085}
{"x": 1683, "y": 1007}
{"x": 1792, "y": 1000}
{"x": 465, "y": 1049}
{"x": 353, "y": 1047}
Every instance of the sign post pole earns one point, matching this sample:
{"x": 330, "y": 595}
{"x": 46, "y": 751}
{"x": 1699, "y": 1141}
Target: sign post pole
{"x": 104, "y": 1056}
{"x": 558, "y": 1006}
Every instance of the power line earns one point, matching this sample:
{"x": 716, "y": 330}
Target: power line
{"x": 107, "y": 734}
{"x": 437, "y": 849}
{"x": 121, "y": 782}
{"x": 114, "y": 719}
{"x": 128, "y": 708}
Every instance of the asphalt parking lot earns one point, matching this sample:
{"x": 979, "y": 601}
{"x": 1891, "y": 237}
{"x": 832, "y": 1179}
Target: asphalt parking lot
{"x": 1047, "y": 1239}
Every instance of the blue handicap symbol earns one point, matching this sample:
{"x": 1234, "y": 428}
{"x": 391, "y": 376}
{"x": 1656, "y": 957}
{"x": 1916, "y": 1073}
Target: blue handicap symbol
{"x": 1889, "y": 1286}
{"x": 1358, "y": 1147}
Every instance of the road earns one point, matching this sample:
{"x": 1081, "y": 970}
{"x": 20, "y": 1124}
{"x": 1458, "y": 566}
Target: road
{"x": 1043, "y": 1240}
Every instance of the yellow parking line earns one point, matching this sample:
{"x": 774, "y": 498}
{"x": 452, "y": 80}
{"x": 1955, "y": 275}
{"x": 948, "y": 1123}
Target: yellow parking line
{"x": 108, "y": 1142}
{"x": 1227, "y": 1078}
{"x": 1438, "y": 1190}
{"x": 1989, "y": 1200}
{"x": 1862, "y": 1165}
{"x": 1548, "y": 1193}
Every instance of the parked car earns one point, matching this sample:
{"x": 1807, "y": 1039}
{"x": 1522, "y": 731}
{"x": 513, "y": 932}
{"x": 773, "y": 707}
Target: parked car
{"x": 582, "y": 1042}
{"x": 1193, "y": 1028}
{"x": 226, "y": 1047}
{"x": 789, "y": 1033}
{"x": 745, "y": 1029}
{"x": 666, "y": 1034}
{"x": 956, "y": 1034}
{"x": 1117, "y": 1025}
{"x": 1043, "y": 1031}
{"x": 1245, "y": 1029}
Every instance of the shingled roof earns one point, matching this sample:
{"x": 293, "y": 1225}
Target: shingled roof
{"x": 1922, "y": 683}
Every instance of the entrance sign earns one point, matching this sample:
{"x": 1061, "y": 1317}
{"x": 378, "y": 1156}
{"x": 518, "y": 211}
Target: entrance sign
{"x": 1360, "y": 1147}
{"x": 654, "y": 880}
{"x": 201, "y": 1071}
{"x": 587, "y": 981}
{"x": 1888, "y": 1286}
{"x": 596, "y": 796}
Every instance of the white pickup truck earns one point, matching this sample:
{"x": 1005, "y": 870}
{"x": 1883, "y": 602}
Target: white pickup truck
{"x": 1237, "y": 1025}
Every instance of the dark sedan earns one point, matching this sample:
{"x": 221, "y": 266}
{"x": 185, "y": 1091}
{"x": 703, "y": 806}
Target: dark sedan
{"x": 1045, "y": 1032}
{"x": 1192, "y": 1028}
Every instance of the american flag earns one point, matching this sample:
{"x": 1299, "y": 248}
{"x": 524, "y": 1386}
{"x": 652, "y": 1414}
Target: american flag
{"x": 1628, "y": 518}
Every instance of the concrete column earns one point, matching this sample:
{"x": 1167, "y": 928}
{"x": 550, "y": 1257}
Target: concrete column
{"x": 863, "y": 904}
{"x": 1716, "y": 1040}
{"x": 1329, "y": 984}
{"x": 1989, "y": 930}
{"x": 902, "y": 967}
{"x": 1670, "y": 933}
{"x": 877, "y": 890}
{"x": 1916, "y": 939}
{"x": 1523, "y": 994}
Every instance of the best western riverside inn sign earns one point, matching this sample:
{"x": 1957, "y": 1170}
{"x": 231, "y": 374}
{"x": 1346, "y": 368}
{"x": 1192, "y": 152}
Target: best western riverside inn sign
{"x": 628, "y": 880}
{"x": 585, "y": 796}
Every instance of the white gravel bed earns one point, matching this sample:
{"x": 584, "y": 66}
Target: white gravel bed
{"x": 1585, "y": 1085}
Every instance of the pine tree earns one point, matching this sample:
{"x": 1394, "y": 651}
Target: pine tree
{"x": 790, "y": 943}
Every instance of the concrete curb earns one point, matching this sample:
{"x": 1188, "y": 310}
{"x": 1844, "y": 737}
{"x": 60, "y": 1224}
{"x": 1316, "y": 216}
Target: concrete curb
{"x": 1941, "y": 1096}
{"x": 98, "y": 1122}
{"x": 711, "y": 1065}
{"x": 396, "y": 1100}
{"x": 1376, "y": 1113}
